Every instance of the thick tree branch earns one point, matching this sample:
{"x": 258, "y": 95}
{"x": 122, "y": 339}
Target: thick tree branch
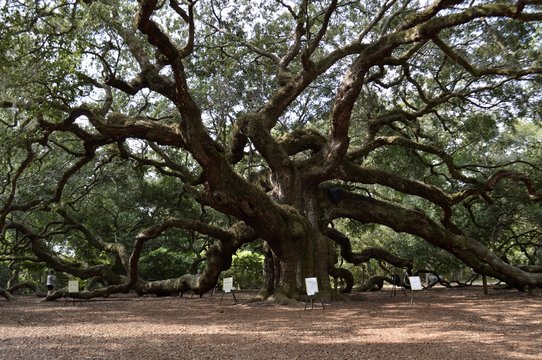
{"x": 218, "y": 256}
{"x": 186, "y": 224}
{"x": 366, "y": 254}
{"x": 6, "y": 294}
{"x": 470, "y": 251}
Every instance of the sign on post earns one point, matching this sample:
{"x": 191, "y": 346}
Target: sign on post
{"x": 73, "y": 291}
{"x": 227, "y": 287}
{"x": 227, "y": 284}
{"x": 73, "y": 286}
{"x": 312, "y": 285}
{"x": 415, "y": 284}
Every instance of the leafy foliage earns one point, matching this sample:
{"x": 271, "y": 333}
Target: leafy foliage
{"x": 246, "y": 270}
{"x": 146, "y": 140}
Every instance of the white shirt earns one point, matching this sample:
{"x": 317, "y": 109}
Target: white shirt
{"x": 51, "y": 279}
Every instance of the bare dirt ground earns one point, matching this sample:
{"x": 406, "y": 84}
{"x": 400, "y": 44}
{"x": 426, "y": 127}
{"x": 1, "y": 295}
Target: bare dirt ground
{"x": 440, "y": 324}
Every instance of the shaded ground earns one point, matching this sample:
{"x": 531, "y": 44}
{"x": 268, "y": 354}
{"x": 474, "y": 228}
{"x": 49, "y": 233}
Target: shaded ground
{"x": 440, "y": 324}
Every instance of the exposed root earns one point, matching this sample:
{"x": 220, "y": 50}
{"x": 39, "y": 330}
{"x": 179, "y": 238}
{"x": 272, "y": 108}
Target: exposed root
{"x": 280, "y": 298}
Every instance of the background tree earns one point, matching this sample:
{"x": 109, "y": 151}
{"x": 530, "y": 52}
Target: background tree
{"x": 132, "y": 129}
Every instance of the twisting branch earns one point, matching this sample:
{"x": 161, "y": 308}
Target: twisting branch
{"x": 6, "y": 294}
{"x": 9, "y": 202}
{"x": 534, "y": 195}
{"x": 301, "y": 140}
{"x": 471, "y": 252}
{"x": 315, "y": 42}
{"x": 186, "y": 224}
{"x": 366, "y": 254}
{"x": 407, "y": 143}
{"x": 218, "y": 256}
{"x": 155, "y": 35}
{"x": 428, "y": 13}
{"x": 174, "y": 56}
{"x": 297, "y": 35}
{"x": 79, "y": 269}
{"x": 461, "y": 61}
{"x": 189, "y": 19}
{"x": 87, "y": 158}
{"x": 385, "y": 7}
{"x": 478, "y": 186}
{"x": 419, "y": 29}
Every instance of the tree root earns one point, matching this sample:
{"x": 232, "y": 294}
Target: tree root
{"x": 6, "y": 294}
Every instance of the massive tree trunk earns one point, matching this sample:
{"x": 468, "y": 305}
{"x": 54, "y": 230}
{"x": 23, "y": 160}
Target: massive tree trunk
{"x": 305, "y": 252}
{"x": 299, "y": 258}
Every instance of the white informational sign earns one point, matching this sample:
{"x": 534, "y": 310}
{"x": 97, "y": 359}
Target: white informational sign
{"x": 227, "y": 284}
{"x": 73, "y": 286}
{"x": 312, "y": 285}
{"x": 415, "y": 282}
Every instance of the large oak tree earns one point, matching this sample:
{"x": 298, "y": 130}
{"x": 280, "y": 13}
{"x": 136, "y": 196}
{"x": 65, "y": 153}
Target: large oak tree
{"x": 282, "y": 120}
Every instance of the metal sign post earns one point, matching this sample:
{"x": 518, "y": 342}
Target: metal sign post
{"x": 73, "y": 291}
{"x": 415, "y": 284}
{"x": 227, "y": 287}
{"x": 311, "y": 284}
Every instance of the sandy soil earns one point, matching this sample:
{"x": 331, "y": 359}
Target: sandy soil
{"x": 440, "y": 324}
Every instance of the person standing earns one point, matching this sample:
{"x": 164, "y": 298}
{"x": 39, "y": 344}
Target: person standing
{"x": 51, "y": 279}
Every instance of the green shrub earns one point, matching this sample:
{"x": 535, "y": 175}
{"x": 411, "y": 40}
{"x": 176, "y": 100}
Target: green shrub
{"x": 246, "y": 270}
{"x": 161, "y": 264}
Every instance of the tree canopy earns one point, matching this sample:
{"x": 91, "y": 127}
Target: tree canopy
{"x": 136, "y": 132}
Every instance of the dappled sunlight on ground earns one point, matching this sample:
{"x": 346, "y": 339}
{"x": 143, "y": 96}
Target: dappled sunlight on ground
{"x": 439, "y": 324}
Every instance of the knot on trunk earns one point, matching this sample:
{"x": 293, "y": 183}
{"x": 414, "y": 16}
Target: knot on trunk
{"x": 219, "y": 197}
